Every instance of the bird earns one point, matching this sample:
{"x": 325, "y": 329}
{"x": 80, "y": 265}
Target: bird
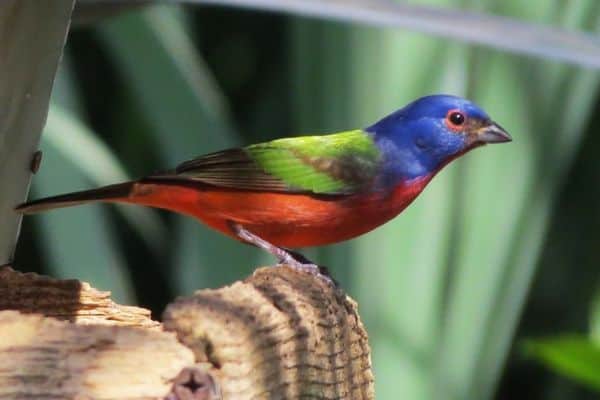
{"x": 308, "y": 191}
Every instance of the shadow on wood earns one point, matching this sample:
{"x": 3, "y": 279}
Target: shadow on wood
{"x": 70, "y": 300}
{"x": 278, "y": 334}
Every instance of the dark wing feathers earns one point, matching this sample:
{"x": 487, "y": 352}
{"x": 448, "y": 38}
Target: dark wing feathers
{"x": 231, "y": 168}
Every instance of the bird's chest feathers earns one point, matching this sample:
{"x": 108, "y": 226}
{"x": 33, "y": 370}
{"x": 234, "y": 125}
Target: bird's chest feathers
{"x": 373, "y": 209}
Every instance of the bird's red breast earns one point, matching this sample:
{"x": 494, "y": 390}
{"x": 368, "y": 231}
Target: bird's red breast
{"x": 284, "y": 219}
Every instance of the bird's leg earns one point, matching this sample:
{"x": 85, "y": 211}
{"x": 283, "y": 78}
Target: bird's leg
{"x": 298, "y": 256}
{"x": 284, "y": 256}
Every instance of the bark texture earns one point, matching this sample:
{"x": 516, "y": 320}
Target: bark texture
{"x": 280, "y": 334}
{"x": 44, "y": 358}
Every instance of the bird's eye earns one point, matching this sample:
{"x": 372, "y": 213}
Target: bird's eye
{"x": 455, "y": 119}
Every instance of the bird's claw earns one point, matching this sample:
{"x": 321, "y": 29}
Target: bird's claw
{"x": 310, "y": 268}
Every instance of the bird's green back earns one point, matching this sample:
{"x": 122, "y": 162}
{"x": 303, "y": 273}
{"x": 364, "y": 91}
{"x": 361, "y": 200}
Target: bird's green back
{"x": 334, "y": 163}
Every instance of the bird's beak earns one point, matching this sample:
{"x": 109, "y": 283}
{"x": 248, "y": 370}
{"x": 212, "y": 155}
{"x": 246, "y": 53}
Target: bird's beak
{"x": 493, "y": 133}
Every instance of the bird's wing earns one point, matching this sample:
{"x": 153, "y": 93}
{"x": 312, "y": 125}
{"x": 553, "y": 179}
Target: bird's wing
{"x": 339, "y": 163}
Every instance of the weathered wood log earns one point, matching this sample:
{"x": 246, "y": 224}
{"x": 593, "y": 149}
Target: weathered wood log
{"x": 69, "y": 300}
{"x": 279, "y": 334}
{"x": 44, "y": 358}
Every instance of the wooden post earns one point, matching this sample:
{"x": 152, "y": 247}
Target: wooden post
{"x": 32, "y": 36}
{"x": 279, "y": 334}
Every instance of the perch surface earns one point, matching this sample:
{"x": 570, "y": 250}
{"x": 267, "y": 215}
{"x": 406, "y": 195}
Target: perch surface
{"x": 279, "y": 334}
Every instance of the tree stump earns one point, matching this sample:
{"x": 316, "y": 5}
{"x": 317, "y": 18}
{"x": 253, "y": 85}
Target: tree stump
{"x": 279, "y": 334}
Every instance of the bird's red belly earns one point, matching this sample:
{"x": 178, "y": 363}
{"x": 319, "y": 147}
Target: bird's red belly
{"x": 288, "y": 220}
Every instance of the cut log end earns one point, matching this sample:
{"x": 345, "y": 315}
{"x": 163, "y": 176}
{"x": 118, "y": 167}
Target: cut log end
{"x": 278, "y": 334}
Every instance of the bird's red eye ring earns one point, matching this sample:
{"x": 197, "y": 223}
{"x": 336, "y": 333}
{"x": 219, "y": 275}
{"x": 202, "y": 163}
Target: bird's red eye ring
{"x": 455, "y": 120}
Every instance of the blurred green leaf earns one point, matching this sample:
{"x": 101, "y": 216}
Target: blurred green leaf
{"x": 460, "y": 24}
{"x": 188, "y": 117}
{"x": 573, "y": 356}
{"x": 95, "y": 161}
{"x": 595, "y": 318}
{"x": 79, "y": 242}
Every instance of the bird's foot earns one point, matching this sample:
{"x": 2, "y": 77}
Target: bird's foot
{"x": 285, "y": 256}
{"x": 300, "y": 263}
{"x": 313, "y": 269}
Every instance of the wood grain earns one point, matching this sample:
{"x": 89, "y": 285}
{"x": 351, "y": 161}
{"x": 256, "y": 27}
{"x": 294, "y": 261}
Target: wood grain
{"x": 279, "y": 334}
{"x": 44, "y": 358}
{"x": 70, "y": 300}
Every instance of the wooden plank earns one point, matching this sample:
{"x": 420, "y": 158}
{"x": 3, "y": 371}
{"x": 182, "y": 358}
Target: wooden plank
{"x": 32, "y": 36}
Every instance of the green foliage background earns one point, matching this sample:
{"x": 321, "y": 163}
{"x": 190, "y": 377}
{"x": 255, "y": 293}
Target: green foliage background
{"x": 443, "y": 287}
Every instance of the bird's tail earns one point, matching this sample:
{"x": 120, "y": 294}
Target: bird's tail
{"x": 105, "y": 193}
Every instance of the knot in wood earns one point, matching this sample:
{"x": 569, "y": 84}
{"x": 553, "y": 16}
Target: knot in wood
{"x": 194, "y": 383}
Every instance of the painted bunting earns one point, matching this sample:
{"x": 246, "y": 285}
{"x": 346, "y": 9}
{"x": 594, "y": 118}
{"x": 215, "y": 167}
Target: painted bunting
{"x": 310, "y": 190}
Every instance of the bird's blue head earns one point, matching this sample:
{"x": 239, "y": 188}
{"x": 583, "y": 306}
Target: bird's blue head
{"x": 419, "y": 139}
